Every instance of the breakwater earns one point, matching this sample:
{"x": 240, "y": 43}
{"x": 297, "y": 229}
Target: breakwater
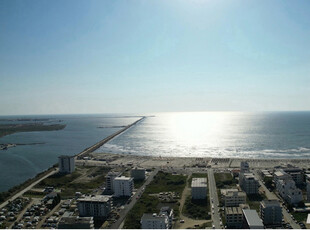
{"x": 105, "y": 140}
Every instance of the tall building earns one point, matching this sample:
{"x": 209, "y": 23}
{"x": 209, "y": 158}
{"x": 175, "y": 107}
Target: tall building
{"x": 66, "y": 164}
{"x": 234, "y": 217}
{"x": 308, "y": 187}
{"x": 154, "y": 221}
{"x": 138, "y": 173}
{"x": 296, "y": 174}
{"x": 110, "y": 181}
{"x": 199, "y": 188}
{"x": 98, "y": 206}
{"x": 123, "y": 186}
{"x": 233, "y": 197}
{"x": 248, "y": 183}
{"x": 271, "y": 212}
{"x": 244, "y": 167}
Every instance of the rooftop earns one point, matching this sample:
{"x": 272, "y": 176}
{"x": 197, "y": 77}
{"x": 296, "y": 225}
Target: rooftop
{"x": 233, "y": 210}
{"x": 267, "y": 203}
{"x": 252, "y": 218}
{"x": 123, "y": 178}
{"x": 150, "y": 216}
{"x": 97, "y": 198}
{"x": 75, "y": 220}
{"x": 199, "y": 182}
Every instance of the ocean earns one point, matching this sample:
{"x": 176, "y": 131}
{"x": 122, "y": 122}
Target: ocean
{"x": 197, "y": 134}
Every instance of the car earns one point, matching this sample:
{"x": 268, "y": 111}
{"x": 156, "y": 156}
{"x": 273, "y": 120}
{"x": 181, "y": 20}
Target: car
{"x": 213, "y": 226}
{"x": 182, "y": 221}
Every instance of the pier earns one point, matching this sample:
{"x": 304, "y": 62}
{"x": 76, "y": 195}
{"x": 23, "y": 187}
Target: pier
{"x": 105, "y": 140}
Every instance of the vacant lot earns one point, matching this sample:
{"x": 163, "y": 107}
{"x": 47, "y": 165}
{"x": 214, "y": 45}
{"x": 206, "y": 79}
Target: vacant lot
{"x": 224, "y": 180}
{"x": 84, "y": 179}
{"x": 162, "y": 182}
{"x": 197, "y": 209}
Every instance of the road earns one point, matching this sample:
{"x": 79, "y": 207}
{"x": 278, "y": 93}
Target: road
{"x": 28, "y": 188}
{"x": 271, "y": 196}
{"x": 214, "y": 199}
{"x": 134, "y": 199}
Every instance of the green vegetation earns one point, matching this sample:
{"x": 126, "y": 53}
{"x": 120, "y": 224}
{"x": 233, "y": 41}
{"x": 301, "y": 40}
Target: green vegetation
{"x": 138, "y": 183}
{"x": 269, "y": 184}
{"x": 300, "y": 216}
{"x": 149, "y": 203}
{"x": 30, "y": 127}
{"x": 224, "y": 180}
{"x": 72, "y": 183}
{"x": 196, "y": 209}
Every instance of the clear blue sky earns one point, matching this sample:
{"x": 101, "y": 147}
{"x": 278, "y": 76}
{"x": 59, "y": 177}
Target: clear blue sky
{"x": 62, "y": 56}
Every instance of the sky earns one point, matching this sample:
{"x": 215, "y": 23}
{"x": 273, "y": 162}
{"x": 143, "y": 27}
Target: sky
{"x": 76, "y": 56}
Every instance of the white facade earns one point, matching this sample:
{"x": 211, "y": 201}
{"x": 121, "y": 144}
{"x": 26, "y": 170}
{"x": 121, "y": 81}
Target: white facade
{"x": 233, "y": 198}
{"x": 138, "y": 173}
{"x": 199, "y": 188}
{"x": 154, "y": 221}
{"x": 288, "y": 191}
{"x": 97, "y": 206}
{"x": 66, "y": 164}
{"x": 123, "y": 186}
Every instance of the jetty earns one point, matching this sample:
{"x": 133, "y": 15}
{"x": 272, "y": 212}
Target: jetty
{"x": 105, "y": 140}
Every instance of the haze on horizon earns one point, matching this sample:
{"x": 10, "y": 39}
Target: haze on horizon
{"x": 77, "y": 56}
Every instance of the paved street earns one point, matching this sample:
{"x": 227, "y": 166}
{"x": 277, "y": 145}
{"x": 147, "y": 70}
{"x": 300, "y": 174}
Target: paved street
{"x": 271, "y": 196}
{"x": 213, "y": 199}
{"x": 26, "y": 189}
{"x": 127, "y": 208}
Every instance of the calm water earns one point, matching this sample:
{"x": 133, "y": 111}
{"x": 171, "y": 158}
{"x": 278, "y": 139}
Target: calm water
{"x": 23, "y": 162}
{"x": 205, "y": 134}
{"x": 218, "y": 134}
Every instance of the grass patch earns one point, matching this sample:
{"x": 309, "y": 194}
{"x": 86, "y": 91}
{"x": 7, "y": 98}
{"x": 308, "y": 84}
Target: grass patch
{"x": 138, "y": 183}
{"x": 300, "y": 216}
{"x": 196, "y": 209}
{"x": 162, "y": 182}
{"x": 224, "y": 180}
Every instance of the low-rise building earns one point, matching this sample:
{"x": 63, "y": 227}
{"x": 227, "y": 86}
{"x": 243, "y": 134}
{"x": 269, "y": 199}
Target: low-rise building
{"x": 233, "y": 197}
{"x": 199, "y": 188}
{"x": 296, "y": 174}
{"x": 66, "y": 164}
{"x": 271, "y": 212}
{"x": 251, "y": 220}
{"x": 98, "y": 206}
{"x": 154, "y": 221}
{"x": 76, "y": 222}
{"x": 248, "y": 183}
{"x": 234, "y": 217}
{"x": 123, "y": 186}
{"x": 138, "y": 173}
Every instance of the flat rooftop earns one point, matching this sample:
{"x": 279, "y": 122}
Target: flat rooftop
{"x": 199, "y": 182}
{"x": 97, "y": 198}
{"x": 252, "y": 218}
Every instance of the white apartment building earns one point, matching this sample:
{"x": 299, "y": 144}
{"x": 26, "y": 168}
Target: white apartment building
{"x": 271, "y": 212}
{"x": 296, "y": 174}
{"x": 66, "y": 164}
{"x": 98, "y": 206}
{"x": 123, "y": 186}
{"x": 281, "y": 175}
{"x": 199, "y": 188}
{"x": 248, "y": 183}
{"x": 169, "y": 213}
{"x": 234, "y": 217}
{"x": 138, "y": 173}
{"x": 154, "y": 221}
{"x": 288, "y": 191}
{"x": 233, "y": 197}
